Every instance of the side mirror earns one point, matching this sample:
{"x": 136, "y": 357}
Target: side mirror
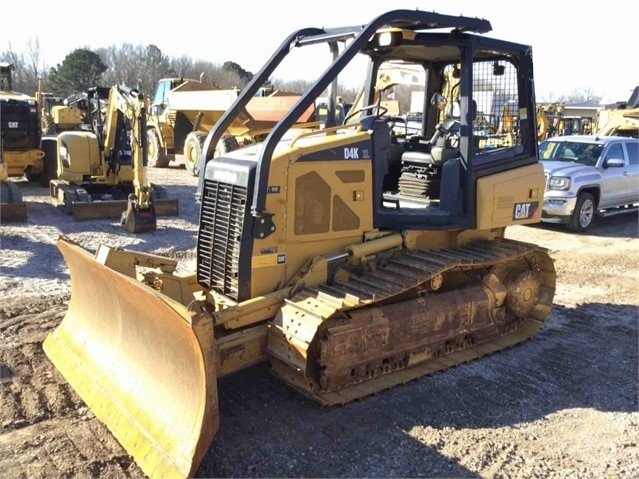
{"x": 438, "y": 101}
{"x": 613, "y": 163}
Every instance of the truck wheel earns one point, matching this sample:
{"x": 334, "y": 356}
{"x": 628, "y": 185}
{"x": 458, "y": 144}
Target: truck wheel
{"x": 156, "y": 156}
{"x": 226, "y": 144}
{"x": 193, "y": 146}
{"x": 584, "y": 214}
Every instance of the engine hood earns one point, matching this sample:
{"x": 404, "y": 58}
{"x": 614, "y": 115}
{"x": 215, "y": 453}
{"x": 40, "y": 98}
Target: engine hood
{"x": 562, "y": 168}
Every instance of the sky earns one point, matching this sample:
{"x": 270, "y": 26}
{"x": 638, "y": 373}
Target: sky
{"x": 577, "y": 45}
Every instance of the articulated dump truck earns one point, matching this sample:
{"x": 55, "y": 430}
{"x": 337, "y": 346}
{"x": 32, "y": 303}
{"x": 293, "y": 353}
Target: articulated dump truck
{"x": 184, "y": 111}
{"x": 352, "y": 256}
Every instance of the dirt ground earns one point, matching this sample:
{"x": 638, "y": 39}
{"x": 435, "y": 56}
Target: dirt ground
{"x": 562, "y": 405}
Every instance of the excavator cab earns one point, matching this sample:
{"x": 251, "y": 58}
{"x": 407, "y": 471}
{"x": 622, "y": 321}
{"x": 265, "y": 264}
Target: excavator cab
{"x": 351, "y": 255}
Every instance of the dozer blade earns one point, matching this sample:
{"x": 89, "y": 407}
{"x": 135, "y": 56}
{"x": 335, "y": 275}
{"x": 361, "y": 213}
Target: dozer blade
{"x": 143, "y": 363}
{"x": 87, "y": 210}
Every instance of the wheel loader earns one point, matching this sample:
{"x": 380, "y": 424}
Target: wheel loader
{"x": 101, "y": 170}
{"x": 352, "y": 256}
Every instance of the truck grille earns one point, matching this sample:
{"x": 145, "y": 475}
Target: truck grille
{"x": 221, "y": 226}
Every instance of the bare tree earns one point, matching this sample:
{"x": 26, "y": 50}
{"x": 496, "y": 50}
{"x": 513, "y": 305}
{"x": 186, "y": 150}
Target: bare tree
{"x": 583, "y": 95}
{"x": 34, "y": 68}
{"x": 17, "y": 60}
{"x": 182, "y": 66}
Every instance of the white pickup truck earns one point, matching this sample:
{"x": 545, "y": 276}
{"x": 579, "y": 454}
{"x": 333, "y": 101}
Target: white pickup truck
{"x": 589, "y": 176}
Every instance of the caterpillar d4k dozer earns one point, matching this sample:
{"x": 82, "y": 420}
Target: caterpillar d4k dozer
{"x": 101, "y": 173}
{"x": 353, "y": 257}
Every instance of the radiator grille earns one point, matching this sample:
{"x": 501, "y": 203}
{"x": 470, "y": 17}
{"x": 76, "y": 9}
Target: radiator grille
{"x": 221, "y": 225}
{"x": 20, "y": 124}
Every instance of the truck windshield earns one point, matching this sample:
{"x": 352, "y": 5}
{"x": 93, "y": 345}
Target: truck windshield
{"x": 572, "y": 151}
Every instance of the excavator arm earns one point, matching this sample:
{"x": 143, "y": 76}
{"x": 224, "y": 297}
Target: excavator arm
{"x": 130, "y": 103}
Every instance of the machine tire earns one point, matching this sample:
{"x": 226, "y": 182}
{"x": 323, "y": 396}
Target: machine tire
{"x": 156, "y": 156}
{"x": 193, "y": 147}
{"x": 583, "y": 216}
{"x": 32, "y": 177}
{"x": 226, "y": 144}
{"x": 10, "y": 193}
{"x": 48, "y": 125}
{"x": 49, "y": 146}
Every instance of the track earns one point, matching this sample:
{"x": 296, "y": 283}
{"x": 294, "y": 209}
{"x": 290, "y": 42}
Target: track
{"x": 413, "y": 315}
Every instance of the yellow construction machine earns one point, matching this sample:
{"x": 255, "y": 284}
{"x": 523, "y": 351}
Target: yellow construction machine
{"x": 59, "y": 114}
{"x": 20, "y": 131}
{"x": 619, "y": 119}
{"x": 184, "y": 111}
{"x": 13, "y": 209}
{"x": 20, "y": 147}
{"x": 101, "y": 171}
{"x": 353, "y": 257}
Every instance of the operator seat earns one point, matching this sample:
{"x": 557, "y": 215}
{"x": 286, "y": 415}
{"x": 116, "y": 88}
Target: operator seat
{"x": 442, "y": 147}
{"x": 428, "y": 173}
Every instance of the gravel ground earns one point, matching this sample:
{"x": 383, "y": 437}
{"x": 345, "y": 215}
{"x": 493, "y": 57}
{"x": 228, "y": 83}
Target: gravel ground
{"x": 562, "y": 405}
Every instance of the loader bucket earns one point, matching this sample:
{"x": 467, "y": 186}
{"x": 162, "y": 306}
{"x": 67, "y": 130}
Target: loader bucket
{"x": 143, "y": 363}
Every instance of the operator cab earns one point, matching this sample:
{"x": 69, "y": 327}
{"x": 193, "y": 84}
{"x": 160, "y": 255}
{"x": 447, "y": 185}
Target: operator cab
{"x": 445, "y": 111}
{"x": 429, "y": 142}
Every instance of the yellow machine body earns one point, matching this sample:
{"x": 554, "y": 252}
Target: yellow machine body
{"x": 353, "y": 256}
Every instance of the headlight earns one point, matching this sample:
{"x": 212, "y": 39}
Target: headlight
{"x": 562, "y": 183}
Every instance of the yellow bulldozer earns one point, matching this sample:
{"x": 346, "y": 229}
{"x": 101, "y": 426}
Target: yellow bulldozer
{"x": 352, "y": 256}
{"x": 101, "y": 169}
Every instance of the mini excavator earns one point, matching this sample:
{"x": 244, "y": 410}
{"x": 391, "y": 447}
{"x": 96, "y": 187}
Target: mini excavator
{"x": 101, "y": 169}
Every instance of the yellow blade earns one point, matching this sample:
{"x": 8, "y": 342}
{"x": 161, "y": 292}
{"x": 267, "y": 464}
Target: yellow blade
{"x": 143, "y": 363}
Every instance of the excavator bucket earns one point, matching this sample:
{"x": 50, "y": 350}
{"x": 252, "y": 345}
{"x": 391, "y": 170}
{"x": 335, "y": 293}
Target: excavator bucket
{"x": 138, "y": 218}
{"x": 143, "y": 363}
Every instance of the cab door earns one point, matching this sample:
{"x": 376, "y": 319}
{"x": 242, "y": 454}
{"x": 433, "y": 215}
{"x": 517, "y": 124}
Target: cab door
{"x": 616, "y": 181}
{"x": 631, "y": 172}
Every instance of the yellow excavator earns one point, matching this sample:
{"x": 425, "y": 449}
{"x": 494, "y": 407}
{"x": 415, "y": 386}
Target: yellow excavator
{"x": 101, "y": 169}
{"x": 352, "y": 256}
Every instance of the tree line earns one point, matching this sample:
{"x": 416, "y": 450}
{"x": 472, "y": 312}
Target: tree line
{"x": 141, "y": 67}
{"x": 136, "y": 66}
